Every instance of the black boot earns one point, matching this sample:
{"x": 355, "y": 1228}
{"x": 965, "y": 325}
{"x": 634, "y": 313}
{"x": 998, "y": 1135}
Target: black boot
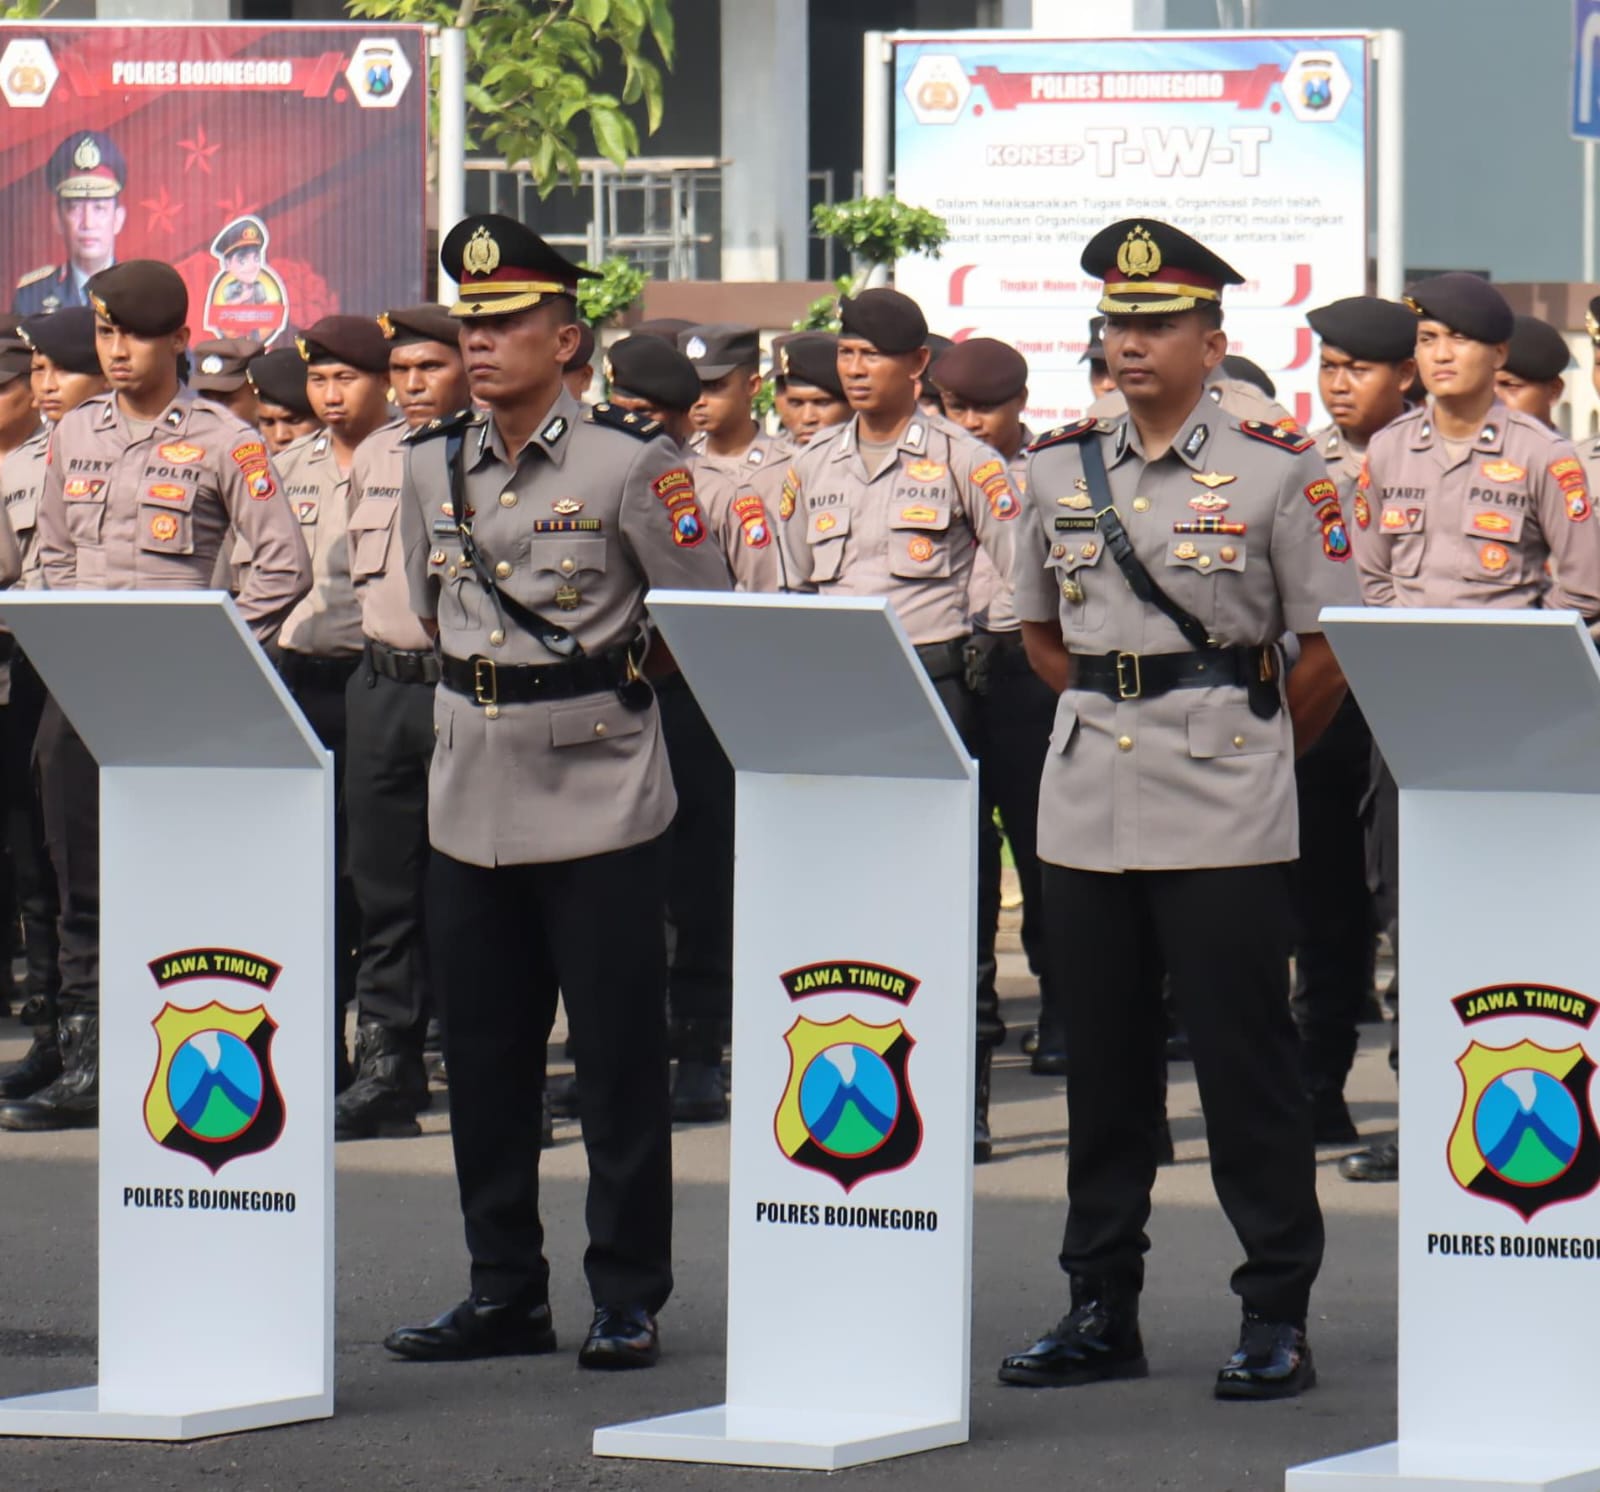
{"x": 72, "y": 1101}
{"x": 390, "y": 1090}
{"x": 38, "y": 1069}
{"x": 1050, "y": 1049}
{"x": 698, "y": 1094}
{"x": 1380, "y": 1162}
{"x": 562, "y": 1096}
{"x": 982, "y": 1140}
{"x": 1097, "y": 1340}
{"x": 1272, "y": 1361}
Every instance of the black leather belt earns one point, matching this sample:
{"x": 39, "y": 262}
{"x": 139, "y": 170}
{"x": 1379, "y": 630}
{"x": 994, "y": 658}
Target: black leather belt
{"x": 486, "y": 682}
{"x": 1150, "y": 675}
{"x": 307, "y": 670}
{"x": 401, "y": 665}
{"x": 943, "y": 660}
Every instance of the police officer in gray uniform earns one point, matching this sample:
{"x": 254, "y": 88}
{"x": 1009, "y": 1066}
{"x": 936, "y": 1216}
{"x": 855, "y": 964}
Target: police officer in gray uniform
{"x": 1169, "y": 550}
{"x": 532, "y": 529}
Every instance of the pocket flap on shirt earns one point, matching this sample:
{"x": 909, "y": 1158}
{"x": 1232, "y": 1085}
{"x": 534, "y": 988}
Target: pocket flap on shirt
{"x": 594, "y": 718}
{"x": 1233, "y": 730}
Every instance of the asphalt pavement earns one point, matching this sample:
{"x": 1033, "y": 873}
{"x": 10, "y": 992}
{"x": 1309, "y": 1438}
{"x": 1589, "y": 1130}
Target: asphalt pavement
{"x": 526, "y": 1423}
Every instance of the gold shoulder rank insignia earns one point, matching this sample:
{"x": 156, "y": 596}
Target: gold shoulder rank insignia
{"x": 614, "y": 419}
{"x": 33, "y": 276}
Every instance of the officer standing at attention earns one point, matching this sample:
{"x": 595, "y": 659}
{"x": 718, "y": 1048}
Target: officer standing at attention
{"x": 1534, "y": 377}
{"x": 1467, "y": 502}
{"x": 894, "y": 504}
{"x": 140, "y": 488}
{"x": 389, "y": 741}
{"x": 1366, "y": 366}
{"x": 85, "y": 174}
{"x": 222, "y": 373}
{"x": 65, "y": 370}
{"x": 532, "y": 529}
{"x": 1166, "y": 817}
{"x": 985, "y": 385}
{"x": 347, "y": 382}
{"x": 283, "y": 412}
{"x": 805, "y": 382}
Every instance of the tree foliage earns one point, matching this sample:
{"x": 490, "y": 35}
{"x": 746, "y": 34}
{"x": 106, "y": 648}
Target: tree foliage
{"x": 877, "y": 231}
{"x": 532, "y": 71}
{"x": 621, "y": 283}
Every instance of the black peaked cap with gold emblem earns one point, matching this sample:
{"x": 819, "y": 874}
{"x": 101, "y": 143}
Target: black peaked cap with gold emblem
{"x": 500, "y": 266}
{"x": 1468, "y": 304}
{"x": 142, "y": 296}
{"x": 356, "y": 341}
{"x": 425, "y": 323}
{"x": 647, "y": 368}
{"x": 1150, "y": 268}
{"x": 280, "y": 378}
{"x": 16, "y": 352}
{"x": 242, "y": 233}
{"x": 86, "y": 164}
{"x": 66, "y": 337}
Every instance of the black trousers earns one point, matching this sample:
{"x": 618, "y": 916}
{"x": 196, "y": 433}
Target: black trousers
{"x": 69, "y": 794}
{"x": 1223, "y": 937}
{"x": 1014, "y": 719}
{"x": 318, "y": 686}
{"x": 388, "y": 746}
{"x": 504, "y": 941}
{"x": 1383, "y": 875}
{"x": 961, "y": 704}
{"x": 699, "y": 875}
{"x": 34, "y": 891}
{"x": 1334, "y": 920}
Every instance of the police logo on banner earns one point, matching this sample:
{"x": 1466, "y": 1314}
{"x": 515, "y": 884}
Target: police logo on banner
{"x": 847, "y": 1110}
{"x": 213, "y": 1094}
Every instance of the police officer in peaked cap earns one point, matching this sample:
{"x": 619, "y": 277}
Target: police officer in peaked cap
{"x": 85, "y": 175}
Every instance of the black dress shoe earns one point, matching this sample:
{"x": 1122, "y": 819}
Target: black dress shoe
{"x": 1030, "y": 1041}
{"x": 39, "y": 1067}
{"x": 1049, "y": 1052}
{"x": 620, "y": 1339}
{"x": 72, "y": 1101}
{"x": 698, "y": 1094}
{"x": 1331, "y": 1123}
{"x": 1380, "y": 1162}
{"x": 1098, "y": 1341}
{"x": 1272, "y": 1361}
{"x": 563, "y": 1094}
{"x": 477, "y": 1328}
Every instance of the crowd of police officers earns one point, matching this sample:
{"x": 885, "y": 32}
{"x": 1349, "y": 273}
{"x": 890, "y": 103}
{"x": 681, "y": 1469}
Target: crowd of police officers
{"x": 445, "y": 551}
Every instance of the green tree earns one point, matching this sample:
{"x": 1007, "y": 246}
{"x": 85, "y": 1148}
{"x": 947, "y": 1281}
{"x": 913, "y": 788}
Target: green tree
{"x": 621, "y": 283}
{"x": 532, "y": 70}
{"x": 878, "y": 231}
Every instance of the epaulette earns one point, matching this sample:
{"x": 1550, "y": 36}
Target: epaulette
{"x": 462, "y": 419}
{"x": 1297, "y": 443}
{"x": 33, "y": 276}
{"x": 1075, "y": 431}
{"x": 640, "y": 426}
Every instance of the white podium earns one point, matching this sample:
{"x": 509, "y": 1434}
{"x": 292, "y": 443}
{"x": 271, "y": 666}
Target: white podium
{"x": 850, "y": 1180}
{"x": 1490, "y": 722}
{"x": 216, "y": 1064}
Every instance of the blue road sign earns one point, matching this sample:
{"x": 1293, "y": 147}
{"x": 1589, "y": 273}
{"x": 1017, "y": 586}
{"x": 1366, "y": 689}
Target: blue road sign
{"x": 1586, "y": 69}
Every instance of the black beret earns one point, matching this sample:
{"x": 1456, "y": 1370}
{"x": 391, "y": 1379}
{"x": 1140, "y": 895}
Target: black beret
{"x": 982, "y": 370}
{"x": 1468, "y": 304}
{"x": 501, "y": 266}
{"x": 280, "y": 378}
{"x": 937, "y": 347}
{"x": 222, "y": 366}
{"x": 356, "y": 341}
{"x": 890, "y": 321}
{"x": 584, "y": 356}
{"x": 647, "y": 368}
{"x": 430, "y": 322}
{"x": 66, "y": 337}
{"x": 811, "y": 358}
{"x": 1538, "y": 352}
{"x": 1367, "y": 328}
{"x": 16, "y": 353}
{"x": 1151, "y": 268}
{"x": 142, "y": 296}
{"x": 1242, "y": 370}
{"x": 87, "y": 164}
{"x": 718, "y": 347}
{"x": 1094, "y": 350}
{"x": 666, "y": 328}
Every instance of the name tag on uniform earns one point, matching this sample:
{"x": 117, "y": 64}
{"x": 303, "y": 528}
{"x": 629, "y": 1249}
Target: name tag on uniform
{"x": 444, "y": 528}
{"x": 1084, "y": 525}
{"x": 566, "y": 525}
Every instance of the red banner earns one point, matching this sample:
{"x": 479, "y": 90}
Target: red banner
{"x": 1248, "y": 90}
{"x": 279, "y": 168}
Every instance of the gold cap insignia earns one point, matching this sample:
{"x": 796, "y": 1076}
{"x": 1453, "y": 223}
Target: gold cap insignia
{"x": 605, "y": 367}
{"x": 100, "y": 306}
{"x": 1139, "y": 256}
{"x": 87, "y": 156}
{"x": 385, "y": 325}
{"x": 302, "y": 349}
{"x": 1592, "y": 325}
{"x": 1412, "y": 305}
{"x": 783, "y": 360}
{"x": 481, "y": 256}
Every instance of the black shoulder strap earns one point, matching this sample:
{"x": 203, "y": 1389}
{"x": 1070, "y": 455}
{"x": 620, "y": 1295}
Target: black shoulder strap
{"x": 1140, "y": 581}
{"x": 554, "y": 637}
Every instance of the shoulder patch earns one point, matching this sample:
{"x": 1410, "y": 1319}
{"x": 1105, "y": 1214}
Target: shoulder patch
{"x": 462, "y": 419}
{"x": 1063, "y": 433}
{"x": 1285, "y": 440}
{"x": 640, "y": 426}
{"x": 33, "y": 276}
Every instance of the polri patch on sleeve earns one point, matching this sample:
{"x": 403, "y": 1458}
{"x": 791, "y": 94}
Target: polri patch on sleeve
{"x": 752, "y": 516}
{"x": 1568, "y": 474}
{"x": 675, "y": 488}
{"x": 1284, "y": 440}
{"x": 790, "y": 494}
